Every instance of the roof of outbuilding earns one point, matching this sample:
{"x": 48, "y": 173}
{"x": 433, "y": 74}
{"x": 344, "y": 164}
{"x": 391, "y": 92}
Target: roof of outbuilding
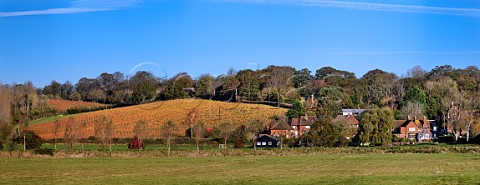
{"x": 268, "y": 136}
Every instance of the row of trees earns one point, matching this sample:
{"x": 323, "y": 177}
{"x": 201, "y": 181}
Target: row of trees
{"x": 419, "y": 93}
{"x": 432, "y": 92}
{"x": 375, "y": 128}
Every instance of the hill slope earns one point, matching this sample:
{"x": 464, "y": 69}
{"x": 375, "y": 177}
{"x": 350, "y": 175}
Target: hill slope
{"x": 63, "y": 105}
{"x": 211, "y": 113}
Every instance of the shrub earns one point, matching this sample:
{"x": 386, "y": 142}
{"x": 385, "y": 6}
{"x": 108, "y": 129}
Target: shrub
{"x": 44, "y": 151}
{"x": 446, "y": 139}
{"x": 32, "y": 141}
{"x": 11, "y": 146}
{"x": 292, "y": 142}
{"x": 239, "y": 143}
{"x": 92, "y": 139}
{"x": 136, "y": 144}
{"x": 476, "y": 140}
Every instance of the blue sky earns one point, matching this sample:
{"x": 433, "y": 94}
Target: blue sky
{"x": 65, "y": 40}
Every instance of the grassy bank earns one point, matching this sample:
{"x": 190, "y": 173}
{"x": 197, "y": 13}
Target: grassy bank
{"x": 323, "y": 169}
{"x": 160, "y": 151}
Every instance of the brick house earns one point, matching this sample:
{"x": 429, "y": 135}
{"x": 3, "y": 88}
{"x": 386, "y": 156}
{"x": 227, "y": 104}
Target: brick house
{"x": 302, "y": 125}
{"x": 281, "y": 128}
{"x": 349, "y": 121}
{"x": 405, "y": 129}
{"x": 424, "y": 129}
{"x": 413, "y": 129}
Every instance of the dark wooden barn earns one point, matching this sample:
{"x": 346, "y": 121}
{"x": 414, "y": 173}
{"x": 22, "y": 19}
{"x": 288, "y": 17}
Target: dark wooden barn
{"x": 267, "y": 142}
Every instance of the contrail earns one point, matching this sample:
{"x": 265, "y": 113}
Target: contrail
{"x": 357, "y": 5}
{"x": 78, "y": 6}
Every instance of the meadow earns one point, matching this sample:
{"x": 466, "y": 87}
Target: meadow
{"x": 452, "y": 168}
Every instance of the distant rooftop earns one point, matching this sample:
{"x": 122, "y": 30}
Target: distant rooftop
{"x": 353, "y": 111}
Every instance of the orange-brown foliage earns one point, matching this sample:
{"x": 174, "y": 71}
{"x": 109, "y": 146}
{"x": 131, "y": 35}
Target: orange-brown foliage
{"x": 64, "y": 105}
{"x": 211, "y": 113}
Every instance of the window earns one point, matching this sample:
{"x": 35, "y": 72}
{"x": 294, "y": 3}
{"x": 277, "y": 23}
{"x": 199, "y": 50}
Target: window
{"x": 259, "y": 143}
{"x": 264, "y": 143}
{"x": 307, "y": 127}
{"x": 412, "y": 129}
{"x": 269, "y": 143}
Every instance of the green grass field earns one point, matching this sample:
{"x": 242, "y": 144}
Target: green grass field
{"x": 317, "y": 169}
{"x": 52, "y": 118}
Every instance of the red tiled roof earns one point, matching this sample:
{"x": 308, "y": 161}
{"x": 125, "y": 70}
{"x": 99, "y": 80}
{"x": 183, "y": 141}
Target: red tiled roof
{"x": 281, "y": 125}
{"x": 304, "y": 121}
{"x": 351, "y": 120}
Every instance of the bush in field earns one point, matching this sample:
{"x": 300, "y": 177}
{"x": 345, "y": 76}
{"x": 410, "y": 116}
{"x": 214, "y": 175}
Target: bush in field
{"x": 44, "y": 151}
{"x": 239, "y": 143}
{"x": 32, "y": 141}
{"x": 136, "y": 144}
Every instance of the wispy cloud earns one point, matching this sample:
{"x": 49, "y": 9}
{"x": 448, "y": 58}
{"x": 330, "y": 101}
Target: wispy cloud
{"x": 78, "y": 6}
{"x": 404, "y": 53}
{"x": 357, "y": 5}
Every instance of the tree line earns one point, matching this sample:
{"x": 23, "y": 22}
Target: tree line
{"x": 322, "y": 93}
{"x": 423, "y": 92}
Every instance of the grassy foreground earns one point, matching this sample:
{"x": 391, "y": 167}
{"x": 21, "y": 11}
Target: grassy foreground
{"x": 323, "y": 169}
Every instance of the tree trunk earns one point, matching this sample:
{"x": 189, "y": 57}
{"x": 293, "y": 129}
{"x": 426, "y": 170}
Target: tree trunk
{"x": 225, "y": 141}
{"x": 468, "y": 132}
{"x": 281, "y": 142}
{"x": 278, "y": 98}
{"x": 198, "y": 147}
{"x": 24, "y": 143}
{"x": 254, "y": 142}
{"x": 191, "y": 131}
{"x": 110, "y": 147}
{"x": 168, "y": 146}
{"x": 456, "y": 135}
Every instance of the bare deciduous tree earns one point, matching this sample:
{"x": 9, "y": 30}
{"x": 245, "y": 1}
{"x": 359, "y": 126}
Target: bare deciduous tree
{"x": 81, "y": 134}
{"x": 56, "y": 129}
{"x": 100, "y": 125}
{"x": 416, "y": 72}
{"x": 68, "y": 134}
{"x": 199, "y": 130}
{"x": 278, "y": 80}
{"x": 110, "y": 132}
{"x": 6, "y": 128}
{"x": 226, "y": 128}
{"x": 191, "y": 120}
{"x": 140, "y": 128}
{"x": 168, "y": 131}
{"x": 413, "y": 110}
{"x": 254, "y": 128}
